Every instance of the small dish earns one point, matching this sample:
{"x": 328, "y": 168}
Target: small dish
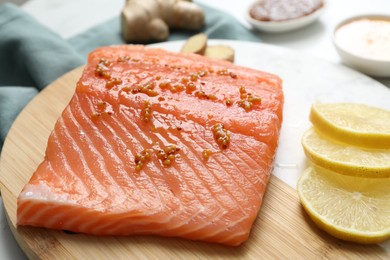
{"x": 285, "y": 25}
{"x": 364, "y": 46}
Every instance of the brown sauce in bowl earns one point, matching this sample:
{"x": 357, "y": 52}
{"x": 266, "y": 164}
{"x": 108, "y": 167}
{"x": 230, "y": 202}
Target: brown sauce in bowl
{"x": 282, "y": 10}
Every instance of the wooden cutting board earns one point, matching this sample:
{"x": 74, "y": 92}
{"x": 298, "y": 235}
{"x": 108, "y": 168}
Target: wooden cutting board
{"x": 282, "y": 229}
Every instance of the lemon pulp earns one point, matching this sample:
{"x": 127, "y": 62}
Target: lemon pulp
{"x": 347, "y": 207}
{"x": 355, "y": 124}
{"x": 346, "y": 159}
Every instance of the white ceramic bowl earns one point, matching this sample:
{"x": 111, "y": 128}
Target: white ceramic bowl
{"x": 284, "y": 26}
{"x": 369, "y": 66}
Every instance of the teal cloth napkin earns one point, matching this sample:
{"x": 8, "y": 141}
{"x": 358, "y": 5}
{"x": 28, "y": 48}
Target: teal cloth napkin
{"x": 32, "y": 56}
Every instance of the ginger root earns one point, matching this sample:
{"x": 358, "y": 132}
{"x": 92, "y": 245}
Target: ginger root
{"x": 198, "y": 44}
{"x": 150, "y": 20}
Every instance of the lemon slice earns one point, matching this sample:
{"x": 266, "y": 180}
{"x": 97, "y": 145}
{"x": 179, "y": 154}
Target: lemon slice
{"x": 350, "y": 208}
{"x": 355, "y": 124}
{"x": 346, "y": 159}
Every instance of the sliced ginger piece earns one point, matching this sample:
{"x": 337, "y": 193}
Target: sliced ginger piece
{"x": 196, "y": 44}
{"x": 222, "y": 52}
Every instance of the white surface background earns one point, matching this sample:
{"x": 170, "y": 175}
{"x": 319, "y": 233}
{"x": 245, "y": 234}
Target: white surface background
{"x": 70, "y": 17}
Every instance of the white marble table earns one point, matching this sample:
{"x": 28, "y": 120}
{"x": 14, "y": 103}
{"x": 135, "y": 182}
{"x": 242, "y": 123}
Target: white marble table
{"x": 67, "y": 18}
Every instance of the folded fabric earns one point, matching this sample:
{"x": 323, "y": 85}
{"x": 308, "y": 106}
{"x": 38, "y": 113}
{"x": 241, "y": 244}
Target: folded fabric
{"x": 12, "y": 101}
{"x": 32, "y": 56}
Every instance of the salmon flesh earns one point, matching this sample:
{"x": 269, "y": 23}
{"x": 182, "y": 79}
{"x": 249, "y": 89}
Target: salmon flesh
{"x": 159, "y": 143}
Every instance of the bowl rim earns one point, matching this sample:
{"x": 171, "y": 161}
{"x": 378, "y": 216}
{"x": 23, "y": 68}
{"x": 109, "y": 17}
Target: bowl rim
{"x": 292, "y": 21}
{"x": 361, "y": 16}
{"x": 355, "y": 18}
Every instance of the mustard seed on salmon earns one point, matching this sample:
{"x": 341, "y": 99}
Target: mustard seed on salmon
{"x": 173, "y": 145}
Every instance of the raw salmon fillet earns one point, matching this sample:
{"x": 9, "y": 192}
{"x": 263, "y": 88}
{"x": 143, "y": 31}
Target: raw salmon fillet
{"x": 157, "y": 142}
